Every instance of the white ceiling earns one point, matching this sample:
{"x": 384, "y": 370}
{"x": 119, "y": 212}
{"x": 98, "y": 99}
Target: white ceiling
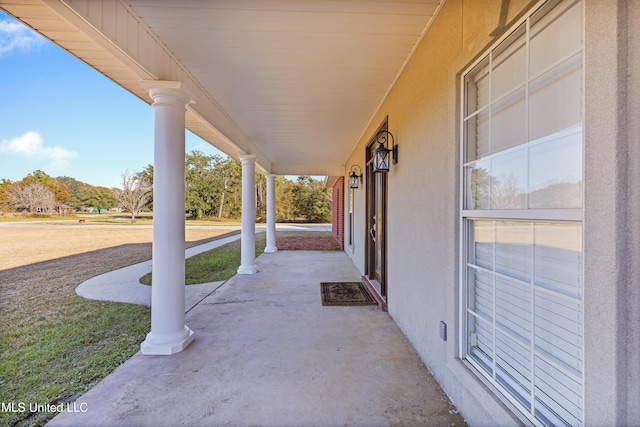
{"x": 301, "y": 79}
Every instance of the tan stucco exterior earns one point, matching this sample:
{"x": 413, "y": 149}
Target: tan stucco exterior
{"x": 424, "y": 204}
{"x": 612, "y": 202}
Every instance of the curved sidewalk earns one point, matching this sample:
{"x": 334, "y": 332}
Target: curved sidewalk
{"x": 123, "y": 285}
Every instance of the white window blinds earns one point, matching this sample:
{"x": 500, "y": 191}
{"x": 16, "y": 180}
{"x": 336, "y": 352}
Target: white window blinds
{"x": 524, "y": 312}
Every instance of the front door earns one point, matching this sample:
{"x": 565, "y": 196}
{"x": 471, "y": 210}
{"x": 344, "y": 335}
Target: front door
{"x": 375, "y": 264}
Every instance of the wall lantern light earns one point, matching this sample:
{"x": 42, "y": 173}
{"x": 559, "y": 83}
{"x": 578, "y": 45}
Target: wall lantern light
{"x": 383, "y": 155}
{"x": 355, "y": 177}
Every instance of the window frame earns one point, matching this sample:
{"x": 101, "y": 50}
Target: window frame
{"x": 550, "y": 215}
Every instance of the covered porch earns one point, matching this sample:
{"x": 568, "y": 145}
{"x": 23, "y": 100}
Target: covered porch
{"x": 268, "y": 353}
{"x": 286, "y": 88}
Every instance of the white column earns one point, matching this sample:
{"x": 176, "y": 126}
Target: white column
{"x": 169, "y": 333}
{"x": 271, "y": 214}
{"x": 248, "y": 234}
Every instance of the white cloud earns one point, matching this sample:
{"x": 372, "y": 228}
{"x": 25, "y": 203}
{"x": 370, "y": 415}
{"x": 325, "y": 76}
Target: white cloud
{"x": 31, "y": 145}
{"x": 15, "y": 37}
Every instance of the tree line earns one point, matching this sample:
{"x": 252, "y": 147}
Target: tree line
{"x": 213, "y": 190}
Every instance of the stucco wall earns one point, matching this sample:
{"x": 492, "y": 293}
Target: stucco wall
{"x": 423, "y": 197}
{"x": 356, "y": 249}
{"x": 631, "y": 370}
{"x": 423, "y": 203}
{"x": 611, "y": 219}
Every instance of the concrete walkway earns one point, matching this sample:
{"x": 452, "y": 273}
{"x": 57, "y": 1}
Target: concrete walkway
{"x": 123, "y": 285}
{"x": 267, "y": 353}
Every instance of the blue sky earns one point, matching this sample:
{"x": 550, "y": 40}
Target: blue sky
{"x": 61, "y": 116}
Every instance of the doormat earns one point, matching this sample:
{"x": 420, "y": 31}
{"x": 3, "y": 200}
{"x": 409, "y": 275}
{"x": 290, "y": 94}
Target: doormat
{"x": 345, "y": 293}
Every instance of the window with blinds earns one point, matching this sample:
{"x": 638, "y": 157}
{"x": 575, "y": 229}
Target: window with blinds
{"x": 522, "y": 215}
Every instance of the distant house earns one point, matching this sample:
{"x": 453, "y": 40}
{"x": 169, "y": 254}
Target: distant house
{"x": 65, "y": 210}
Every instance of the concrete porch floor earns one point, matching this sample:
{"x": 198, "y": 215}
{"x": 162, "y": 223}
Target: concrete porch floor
{"x": 267, "y": 353}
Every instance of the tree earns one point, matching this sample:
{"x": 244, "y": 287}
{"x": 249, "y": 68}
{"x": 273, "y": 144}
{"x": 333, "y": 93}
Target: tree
{"x": 228, "y": 179}
{"x": 311, "y": 200}
{"x": 76, "y": 190}
{"x": 261, "y": 197}
{"x": 147, "y": 175}
{"x": 202, "y": 189}
{"x": 83, "y": 195}
{"x": 212, "y": 185}
{"x": 35, "y": 197}
{"x": 5, "y": 185}
{"x": 59, "y": 189}
{"x": 504, "y": 193}
{"x": 479, "y": 182}
{"x": 134, "y": 194}
{"x": 230, "y": 171}
{"x": 100, "y": 197}
{"x": 285, "y": 210}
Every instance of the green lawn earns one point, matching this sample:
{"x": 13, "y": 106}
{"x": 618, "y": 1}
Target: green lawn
{"x": 215, "y": 265}
{"x": 55, "y": 359}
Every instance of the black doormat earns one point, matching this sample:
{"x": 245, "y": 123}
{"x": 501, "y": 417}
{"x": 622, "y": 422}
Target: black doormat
{"x": 345, "y": 293}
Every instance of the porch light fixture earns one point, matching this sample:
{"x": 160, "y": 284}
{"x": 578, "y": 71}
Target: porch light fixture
{"x": 383, "y": 155}
{"x": 355, "y": 177}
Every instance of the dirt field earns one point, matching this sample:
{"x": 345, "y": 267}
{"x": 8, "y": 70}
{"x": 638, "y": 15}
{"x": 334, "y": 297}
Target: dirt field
{"x": 25, "y": 245}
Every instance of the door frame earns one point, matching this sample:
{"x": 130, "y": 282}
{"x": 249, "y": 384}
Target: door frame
{"x": 378, "y": 281}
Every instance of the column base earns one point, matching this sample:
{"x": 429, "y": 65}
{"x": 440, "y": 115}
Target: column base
{"x": 248, "y": 270}
{"x": 166, "y": 344}
{"x": 271, "y": 249}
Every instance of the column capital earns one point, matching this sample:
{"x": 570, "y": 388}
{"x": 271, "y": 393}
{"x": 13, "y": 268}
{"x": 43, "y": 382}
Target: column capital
{"x": 271, "y": 176}
{"x": 174, "y": 90}
{"x": 247, "y": 158}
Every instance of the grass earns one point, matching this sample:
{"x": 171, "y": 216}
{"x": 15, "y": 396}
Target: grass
{"x": 53, "y": 361}
{"x": 218, "y": 264}
{"x": 55, "y": 345}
